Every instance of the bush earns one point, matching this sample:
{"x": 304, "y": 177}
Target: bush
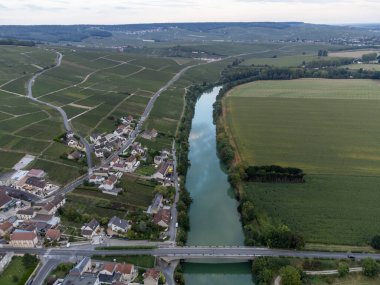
{"x": 343, "y": 269}
{"x": 290, "y": 276}
{"x": 375, "y": 243}
{"x": 370, "y": 267}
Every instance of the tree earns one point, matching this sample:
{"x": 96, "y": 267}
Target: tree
{"x": 162, "y": 279}
{"x": 248, "y": 211}
{"x": 343, "y": 269}
{"x": 369, "y": 56}
{"x": 375, "y": 243}
{"x": 290, "y": 276}
{"x": 370, "y": 267}
{"x": 323, "y": 52}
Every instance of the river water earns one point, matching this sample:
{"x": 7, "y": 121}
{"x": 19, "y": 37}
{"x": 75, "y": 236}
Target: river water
{"x": 214, "y": 219}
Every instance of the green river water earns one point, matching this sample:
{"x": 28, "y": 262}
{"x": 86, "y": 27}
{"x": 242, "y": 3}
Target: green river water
{"x": 214, "y": 219}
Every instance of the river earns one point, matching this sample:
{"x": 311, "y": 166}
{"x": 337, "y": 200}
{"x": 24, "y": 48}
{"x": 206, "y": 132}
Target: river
{"x": 214, "y": 219}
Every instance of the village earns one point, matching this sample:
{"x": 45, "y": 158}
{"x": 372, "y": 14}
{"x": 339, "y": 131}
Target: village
{"x": 32, "y": 206}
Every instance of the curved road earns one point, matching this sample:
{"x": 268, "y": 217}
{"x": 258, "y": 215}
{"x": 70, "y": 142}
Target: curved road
{"x": 59, "y": 109}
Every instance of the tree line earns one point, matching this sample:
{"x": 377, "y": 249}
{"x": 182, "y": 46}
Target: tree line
{"x": 275, "y": 173}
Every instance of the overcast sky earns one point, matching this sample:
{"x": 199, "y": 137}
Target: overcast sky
{"x": 149, "y": 11}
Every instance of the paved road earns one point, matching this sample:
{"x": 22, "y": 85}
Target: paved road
{"x": 172, "y": 232}
{"x": 44, "y": 271}
{"x": 59, "y": 109}
{"x": 199, "y": 252}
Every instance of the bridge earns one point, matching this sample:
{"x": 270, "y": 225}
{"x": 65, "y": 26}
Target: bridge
{"x": 212, "y": 253}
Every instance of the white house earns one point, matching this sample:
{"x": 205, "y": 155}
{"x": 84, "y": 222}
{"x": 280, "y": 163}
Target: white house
{"x": 97, "y": 179}
{"x": 118, "y": 225}
{"x": 90, "y": 229}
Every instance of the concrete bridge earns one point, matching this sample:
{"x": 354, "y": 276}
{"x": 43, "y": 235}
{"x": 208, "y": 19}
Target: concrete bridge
{"x": 213, "y": 253}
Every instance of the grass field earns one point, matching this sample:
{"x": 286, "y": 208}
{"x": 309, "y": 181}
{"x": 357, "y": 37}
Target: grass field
{"x": 137, "y": 195}
{"x": 293, "y": 60}
{"x": 354, "y": 53}
{"x": 373, "y": 67}
{"x": 15, "y": 273}
{"x": 329, "y": 129}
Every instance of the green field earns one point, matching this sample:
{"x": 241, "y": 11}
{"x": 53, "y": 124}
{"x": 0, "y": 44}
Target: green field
{"x": 329, "y": 129}
{"x": 16, "y": 273}
{"x": 293, "y": 60}
{"x": 373, "y": 67}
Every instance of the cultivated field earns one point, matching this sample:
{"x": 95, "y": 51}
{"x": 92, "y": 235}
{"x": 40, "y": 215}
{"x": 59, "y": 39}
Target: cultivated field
{"x": 329, "y": 129}
{"x": 355, "y": 53}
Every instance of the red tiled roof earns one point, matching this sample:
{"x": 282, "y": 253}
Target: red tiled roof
{"x": 53, "y": 234}
{"x": 124, "y": 268}
{"x": 153, "y": 273}
{"x": 23, "y": 236}
{"x": 5, "y": 226}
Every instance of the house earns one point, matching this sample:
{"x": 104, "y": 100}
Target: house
{"x": 5, "y": 258}
{"x": 99, "y": 153}
{"x": 158, "y": 159}
{"x": 130, "y": 162}
{"x": 5, "y": 228}
{"x": 149, "y": 134}
{"x": 156, "y": 204}
{"x": 26, "y": 214}
{"x": 127, "y": 120}
{"x": 162, "y": 218}
{"x": 53, "y": 234}
{"x": 127, "y": 271}
{"x": 164, "y": 169}
{"x": 121, "y": 166}
{"x": 75, "y": 155}
{"x": 36, "y": 173}
{"x": 83, "y": 266}
{"x": 90, "y": 229}
{"x": 69, "y": 135}
{"x": 48, "y": 209}
{"x": 95, "y": 137}
{"x": 51, "y": 220}
{"x": 114, "y": 160}
{"x": 109, "y": 184}
{"x": 59, "y": 201}
{"x": 108, "y": 148}
{"x": 96, "y": 179}
{"x": 34, "y": 183}
{"x": 84, "y": 279}
{"x": 5, "y": 200}
{"x": 101, "y": 142}
{"x": 116, "y": 225}
{"x": 116, "y": 272}
{"x": 101, "y": 172}
{"x": 110, "y": 138}
{"x": 114, "y": 191}
{"x": 23, "y": 239}
{"x": 151, "y": 277}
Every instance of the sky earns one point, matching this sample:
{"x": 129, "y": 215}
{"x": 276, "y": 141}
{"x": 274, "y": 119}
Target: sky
{"x": 26, "y": 12}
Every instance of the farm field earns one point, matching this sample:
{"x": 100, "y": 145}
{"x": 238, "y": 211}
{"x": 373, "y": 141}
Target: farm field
{"x": 315, "y": 125}
{"x": 281, "y": 61}
{"x": 373, "y": 67}
{"x": 354, "y": 53}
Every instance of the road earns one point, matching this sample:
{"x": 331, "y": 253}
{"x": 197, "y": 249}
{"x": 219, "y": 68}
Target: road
{"x": 172, "y": 232}
{"x": 44, "y": 270}
{"x": 194, "y": 252}
{"x": 59, "y": 109}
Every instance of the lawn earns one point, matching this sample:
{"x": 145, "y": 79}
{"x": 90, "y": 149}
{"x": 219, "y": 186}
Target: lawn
{"x": 329, "y": 129}
{"x": 145, "y": 261}
{"x": 16, "y": 273}
{"x": 137, "y": 194}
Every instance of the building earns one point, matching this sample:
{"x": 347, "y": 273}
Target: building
{"x": 109, "y": 184}
{"x": 90, "y": 229}
{"x": 156, "y": 204}
{"x": 96, "y": 179}
{"x": 130, "y": 162}
{"x": 53, "y": 234}
{"x": 162, "y": 218}
{"x": 34, "y": 183}
{"x": 116, "y": 272}
{"x": 5, "y": 228}
{"x": 151, "y": 277}
{"x": 83, "y": 266}
{"x": 5, "y": 200}
{"x": 165, "y": 169}
{"x": 116, "y": 225}
{"x": 26, "y": 214}
{"x": 84, "y": 279}
{"x": 95, "y": 137}
{"x": 36, "y": 173}
{"x": 5, "y": 258}
{"x": 23, "y": 239}
{"x": 75, "y": 155}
